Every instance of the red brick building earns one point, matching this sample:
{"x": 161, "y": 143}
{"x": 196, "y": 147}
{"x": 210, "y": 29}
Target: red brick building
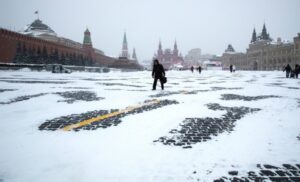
{"x": 39, "y": 44}
{"x": 168, "y": 58}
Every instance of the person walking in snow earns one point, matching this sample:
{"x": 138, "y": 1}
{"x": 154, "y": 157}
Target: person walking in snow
{"x": 288, "y": 70}
{"x": 192, "y": 69}
{"x": 297, "y": 70}
{"x": 230, "y": 68}
{"x": 199, "y": 69}
{"x": 158, "y": 73}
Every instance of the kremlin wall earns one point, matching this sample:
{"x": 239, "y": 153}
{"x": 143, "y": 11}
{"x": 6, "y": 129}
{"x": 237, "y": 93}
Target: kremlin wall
{"x": 39, "y": 44}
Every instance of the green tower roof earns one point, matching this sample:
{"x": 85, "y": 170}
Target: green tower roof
{"x": 87, "y": 37}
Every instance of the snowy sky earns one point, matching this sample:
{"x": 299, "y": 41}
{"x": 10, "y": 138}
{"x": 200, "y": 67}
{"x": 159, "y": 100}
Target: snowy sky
{"x": 207, "y": 24}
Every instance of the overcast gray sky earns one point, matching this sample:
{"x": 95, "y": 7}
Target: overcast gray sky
{"x": 207, "y": 24}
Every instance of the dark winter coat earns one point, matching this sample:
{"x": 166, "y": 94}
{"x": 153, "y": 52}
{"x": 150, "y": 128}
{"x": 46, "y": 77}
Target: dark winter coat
{"x": 297, "y": 69}
{"x": 288, "y": 68}
{"x": 158, "y": 71}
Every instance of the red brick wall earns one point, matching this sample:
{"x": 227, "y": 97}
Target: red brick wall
{"x": 9, "y": 41}
{"x": 8, "y": 44}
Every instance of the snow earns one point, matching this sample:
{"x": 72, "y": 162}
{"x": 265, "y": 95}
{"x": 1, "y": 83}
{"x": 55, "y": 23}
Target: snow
{"x": 126, "y": 152}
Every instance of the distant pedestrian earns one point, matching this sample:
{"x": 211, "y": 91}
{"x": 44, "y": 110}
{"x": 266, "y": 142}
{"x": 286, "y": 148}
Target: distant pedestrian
{"x": 158, "y": 73}
{"x": 192, "y": 69}
{"x": 288, "y": 70}
{"x": 230, "y": 68}
{"x": 233, "y": 68}
{"x": 200, "y": 69}
{"x": 297, "y": 70}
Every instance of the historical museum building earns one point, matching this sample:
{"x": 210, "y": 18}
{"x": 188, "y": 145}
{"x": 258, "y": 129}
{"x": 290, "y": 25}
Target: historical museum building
{"x": 264, "y": 53}
{"x": 168, "y": 57}
{"x": 39, "y": 44}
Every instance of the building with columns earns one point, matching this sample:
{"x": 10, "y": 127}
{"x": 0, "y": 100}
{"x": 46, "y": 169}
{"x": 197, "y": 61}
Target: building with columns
{"x": 264, "y": 53}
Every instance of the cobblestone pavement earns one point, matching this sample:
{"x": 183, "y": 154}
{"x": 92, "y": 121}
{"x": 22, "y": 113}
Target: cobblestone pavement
{"x": 251, "y": 80}
{"x": 293, "y": 88}
{"x": 72, "y": 96}
{"x": 298, "y": 100}
{"x": 266, "y": 172}
{"x": 136, "y": 90}
{"x": 81, "y": 88}
{"x": 194, "y": 91}
{"x": 35, "y": 81}
{"x": 108, "y": 79}
{"x": 281, "y": 85}
{"x": 23, "y": 98}
{"x": 7, "y": 90}
{"x": 246, "y": 98}
{"x": 113, "y": 89}
{"x": 225, "y": 88}
{"x": 276, "y": 84}
{"x": 61, "y": 122}
{"x": 212, "y": 146}
{"x": 121, "y": 84}
{"x": 175, "y": 93}
{"x": 195, "y": 130}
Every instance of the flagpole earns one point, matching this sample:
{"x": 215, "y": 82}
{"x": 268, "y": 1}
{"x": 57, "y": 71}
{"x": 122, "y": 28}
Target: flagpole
{"x": 37, "y": 14}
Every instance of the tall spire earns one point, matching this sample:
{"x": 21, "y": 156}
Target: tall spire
{"x": 159, "y": 45}
{"x": 124, "y": 39}
{"x": 175, "y": 45}
{"x": 125, "y": 47}
{"x": 264, "y": 33}
{"x": 134, "y": 55}
{"x": 159, "y": 51}
{"x": 175, "y": 51}
{"x": 253, "y": 36}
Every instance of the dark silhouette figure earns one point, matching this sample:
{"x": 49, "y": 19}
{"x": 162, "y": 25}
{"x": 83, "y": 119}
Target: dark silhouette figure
{"x": 231, "y": 68}
{"x": 200, "y": 69}
{"x": 288, "y": 70}
{"x": 192, "y": 69}
{"x": 297, "y": 70}
{"x": 158, "y": 72}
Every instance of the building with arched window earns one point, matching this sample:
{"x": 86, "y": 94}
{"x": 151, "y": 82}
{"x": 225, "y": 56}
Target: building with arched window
{"x": 264, "y": 53}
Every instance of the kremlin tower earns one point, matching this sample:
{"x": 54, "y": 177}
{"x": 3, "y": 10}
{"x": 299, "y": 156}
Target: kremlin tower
{"x": 125, "y": 54}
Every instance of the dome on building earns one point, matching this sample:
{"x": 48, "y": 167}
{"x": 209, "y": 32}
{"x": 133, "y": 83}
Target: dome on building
{"x": 230, "y": 49}
{"x": 38, "y": 28}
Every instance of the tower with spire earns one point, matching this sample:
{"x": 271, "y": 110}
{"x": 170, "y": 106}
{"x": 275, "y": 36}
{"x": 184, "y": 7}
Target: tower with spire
{"x": 134, "y": 55}
{"x": 125, "y": 53}
{"x": 87, "y": 41}
{"x": 253, "y": 39}
{"x": 159, "y": 51}
{"x": 168, "y": 57}
{"x": 88, "y": 46}
{"x": 175, "y": 50}
{"x": 264, "y": 34}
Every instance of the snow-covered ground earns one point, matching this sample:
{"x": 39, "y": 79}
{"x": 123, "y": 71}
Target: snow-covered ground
{"x": 128, "y": 151}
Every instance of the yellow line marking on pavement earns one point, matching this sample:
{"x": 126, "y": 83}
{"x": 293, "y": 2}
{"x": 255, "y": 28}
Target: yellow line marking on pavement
{"x": 109, "y": 115}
